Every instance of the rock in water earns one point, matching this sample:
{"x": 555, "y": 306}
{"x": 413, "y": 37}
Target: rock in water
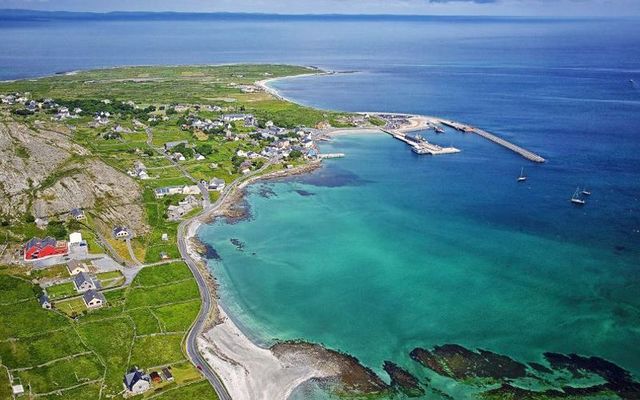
{"x": 402, "y": 380}
{"x": 457, "y": 362}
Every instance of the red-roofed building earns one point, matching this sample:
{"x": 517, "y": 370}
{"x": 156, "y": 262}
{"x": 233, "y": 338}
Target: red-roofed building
{"x": 37, "y": 248}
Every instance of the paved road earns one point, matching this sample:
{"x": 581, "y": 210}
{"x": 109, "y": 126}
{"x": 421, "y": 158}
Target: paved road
{"x": 205, "y": 294}
{"x": 131, "y": 252}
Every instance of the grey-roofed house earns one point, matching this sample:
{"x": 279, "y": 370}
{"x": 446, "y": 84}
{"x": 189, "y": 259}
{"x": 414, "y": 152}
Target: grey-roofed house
{"x": 44, "y": 302}
{"x": 216, "y": 184}
{"x": 171, "y": 145}
{"x": 120, "y": 232}
{"x": 136, "y": 382}
{"x": 94, "y": 299}
{"x": 77, "y": 213}
{"x": 75, "y": 267}
{"x": 83, "y": 282}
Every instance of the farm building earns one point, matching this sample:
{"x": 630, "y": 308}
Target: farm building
{"x": 37, "y": 248}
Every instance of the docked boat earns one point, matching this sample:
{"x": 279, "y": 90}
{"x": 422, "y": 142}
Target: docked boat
{"x": 522, "y": 176}
{"x": 577, "y": 199}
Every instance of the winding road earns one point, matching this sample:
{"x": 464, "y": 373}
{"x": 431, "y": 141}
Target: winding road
{"x": 191, "y": 341}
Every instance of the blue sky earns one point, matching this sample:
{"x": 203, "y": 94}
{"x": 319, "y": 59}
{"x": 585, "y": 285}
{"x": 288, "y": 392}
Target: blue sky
{"x": 457, "y": 7}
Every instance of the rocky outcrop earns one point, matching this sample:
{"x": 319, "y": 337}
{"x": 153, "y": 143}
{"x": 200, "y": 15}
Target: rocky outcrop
{"x": 44, "y": 173}
{"x": 347, "y": 374}
{"x": 402, "y": 380}
{"x": 464, "y": 365}
{"x": 457, "y": 362}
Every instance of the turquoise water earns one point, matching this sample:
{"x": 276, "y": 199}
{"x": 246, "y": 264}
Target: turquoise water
{"x": 385, "y": 250}
{"x": 394, "y": 250}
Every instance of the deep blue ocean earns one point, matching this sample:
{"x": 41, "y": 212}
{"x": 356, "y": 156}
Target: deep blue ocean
{"x": 384, "y": 250}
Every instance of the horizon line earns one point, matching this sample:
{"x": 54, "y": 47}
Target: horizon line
{"x": 61, "y": 13}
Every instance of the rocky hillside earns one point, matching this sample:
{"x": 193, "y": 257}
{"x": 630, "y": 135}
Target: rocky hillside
{"x": 45, "y": 174}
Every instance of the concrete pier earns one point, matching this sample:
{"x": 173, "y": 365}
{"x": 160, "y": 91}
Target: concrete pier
{"x": 330, "y": 155}
{"x": 531, "y": 156}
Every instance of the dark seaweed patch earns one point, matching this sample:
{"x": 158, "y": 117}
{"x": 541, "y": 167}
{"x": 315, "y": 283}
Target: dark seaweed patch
{"x": 333, "y": 178}
{"x": 239, "y": 244}
{"x": 266, "y": 191}
{"x": 211, "y": 253}
{"x": 304, "y": 193}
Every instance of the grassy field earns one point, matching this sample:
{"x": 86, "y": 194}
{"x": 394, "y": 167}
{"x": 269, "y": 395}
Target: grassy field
{"x": 58, "y": 271}
{"x": 62, "y": 374}
{"x": 144, "y": 325}
{"x": 61, "y": 290}
{"x": 71, "y": 307}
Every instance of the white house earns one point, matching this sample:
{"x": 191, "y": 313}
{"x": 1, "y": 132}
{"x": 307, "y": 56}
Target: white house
{"x": 216, "y": 184}
{"x": 77, "y": 213}
{"x": 83, "y": 282}
{"x": 120, "y": 232}
{"x": 17, "y": 389}
{"x": 75, "y": 267}
{"x": 135, "y": 382}
{"x": 94, "y": 299}
{"x": 44, "y": 302}
{"x": 168, "y": 191}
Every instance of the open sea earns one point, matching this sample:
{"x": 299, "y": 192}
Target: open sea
{"x": 384, "y": 250}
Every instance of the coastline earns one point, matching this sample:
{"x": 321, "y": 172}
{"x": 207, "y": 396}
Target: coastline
{"x": 231, "y": 355}
{"x": 264, "y": 83}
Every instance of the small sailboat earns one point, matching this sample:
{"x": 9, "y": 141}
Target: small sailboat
{"x": 522, "y": 176}
{"x": 576, "y": 199}
{"x": 586, "y": 192}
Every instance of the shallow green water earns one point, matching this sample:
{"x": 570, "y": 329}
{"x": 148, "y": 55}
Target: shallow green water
{"x": 384, "y": 251}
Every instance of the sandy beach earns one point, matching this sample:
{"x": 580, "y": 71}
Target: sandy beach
{"x": 252, "y": 372}
{"x": 264, "y": 83}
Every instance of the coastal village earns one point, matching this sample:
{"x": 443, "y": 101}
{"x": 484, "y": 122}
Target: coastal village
{"x": 84, "y": 263}
{"x": 85, "y": 254}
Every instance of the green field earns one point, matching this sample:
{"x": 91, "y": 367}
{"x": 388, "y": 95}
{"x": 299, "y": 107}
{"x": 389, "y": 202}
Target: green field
{"x": 53, "y": 353}
{"x": 61, "y": 290}
{"x": 62, "y": 374}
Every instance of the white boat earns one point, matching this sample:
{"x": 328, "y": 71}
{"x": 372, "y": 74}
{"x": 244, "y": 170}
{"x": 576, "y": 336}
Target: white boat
{"x": 586, "y": 192}
{"x": 576, "y": 199}
{"x": 522, "y": 176}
